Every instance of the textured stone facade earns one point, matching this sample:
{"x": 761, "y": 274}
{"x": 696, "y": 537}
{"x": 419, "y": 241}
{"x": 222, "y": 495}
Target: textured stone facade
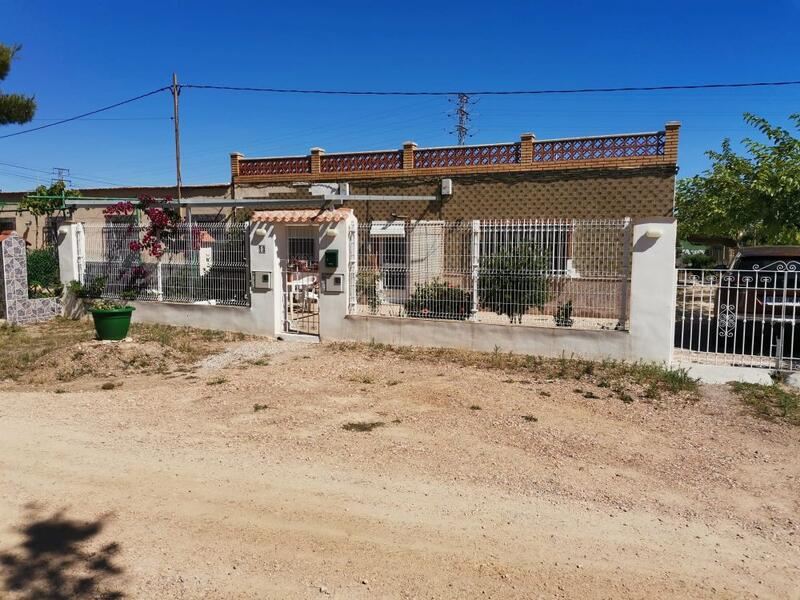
{"x": 15, "y": 306}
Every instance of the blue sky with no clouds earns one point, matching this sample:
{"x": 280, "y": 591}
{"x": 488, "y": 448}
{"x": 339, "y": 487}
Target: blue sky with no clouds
{"x": 82, "y": 55}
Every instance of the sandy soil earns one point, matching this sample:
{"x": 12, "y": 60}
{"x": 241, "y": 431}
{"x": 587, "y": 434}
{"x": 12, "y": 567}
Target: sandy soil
{"x": 177, "y": 486}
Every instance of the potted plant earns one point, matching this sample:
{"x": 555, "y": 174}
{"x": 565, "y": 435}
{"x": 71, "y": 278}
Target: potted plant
{"x": 112, "y": 318}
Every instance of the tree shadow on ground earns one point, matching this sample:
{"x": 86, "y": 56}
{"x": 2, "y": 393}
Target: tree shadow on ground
{"x": 53, "y": 562}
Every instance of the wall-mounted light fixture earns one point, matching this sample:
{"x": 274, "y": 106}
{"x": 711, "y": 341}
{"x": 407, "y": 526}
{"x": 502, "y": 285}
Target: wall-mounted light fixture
{"x": 653, "y": 234}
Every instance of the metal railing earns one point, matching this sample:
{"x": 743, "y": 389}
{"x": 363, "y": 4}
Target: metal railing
{"x": 537, "y": 273}
{"x": 202, "y": 263}
{"x": 738, "y": 317}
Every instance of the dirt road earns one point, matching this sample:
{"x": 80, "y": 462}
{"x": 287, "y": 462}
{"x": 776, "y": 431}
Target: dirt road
{"x": 476, "y": 484}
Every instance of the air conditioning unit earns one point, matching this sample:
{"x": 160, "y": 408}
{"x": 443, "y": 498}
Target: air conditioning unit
{"x": 447, "y": 187}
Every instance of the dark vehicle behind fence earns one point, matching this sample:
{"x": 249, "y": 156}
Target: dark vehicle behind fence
{"x": 744, "y": 315}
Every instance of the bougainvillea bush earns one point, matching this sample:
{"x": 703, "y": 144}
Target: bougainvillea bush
{"x": 162, "y": 227}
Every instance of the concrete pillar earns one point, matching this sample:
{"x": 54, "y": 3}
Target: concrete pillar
{"x": 333, "y": 304}
{"x": 653, "y": 285}
{"x": 265, "y": 304}
{"x": 71, "y": 252}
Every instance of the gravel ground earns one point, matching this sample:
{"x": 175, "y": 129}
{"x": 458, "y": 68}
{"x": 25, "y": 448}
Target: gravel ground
{"x": 240, "y": 353}
{"x": 327, "y": 473}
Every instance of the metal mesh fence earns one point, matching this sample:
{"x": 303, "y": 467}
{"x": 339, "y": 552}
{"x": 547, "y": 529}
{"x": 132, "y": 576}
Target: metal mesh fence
{"x": 204, "y": 263}
{"x": 43, "y": 272}
{"x": 545, "y": 273}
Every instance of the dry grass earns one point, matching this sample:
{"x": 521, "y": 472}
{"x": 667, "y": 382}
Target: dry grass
{"x": 65, "y": 349}
{"x": 771, "y": 402}
{"x": 650, "y": 379}
{"x": 23, "y": 349}
{"x": 190, "y": 344}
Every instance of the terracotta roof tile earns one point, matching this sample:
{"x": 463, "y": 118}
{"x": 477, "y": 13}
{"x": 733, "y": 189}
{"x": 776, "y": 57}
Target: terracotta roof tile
{"x": 311, "y": 216}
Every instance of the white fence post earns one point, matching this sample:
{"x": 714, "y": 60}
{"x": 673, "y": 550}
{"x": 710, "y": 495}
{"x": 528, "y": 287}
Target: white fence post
{"x": 626, "y": 273}
{"x": 352, "y": 271}
{"x": 160, "y": 282}
{"x": 653, "y": 288}
{"x": 476, "y": 261}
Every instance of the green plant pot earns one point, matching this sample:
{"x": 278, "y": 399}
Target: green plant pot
{"x": 112, "y": 324}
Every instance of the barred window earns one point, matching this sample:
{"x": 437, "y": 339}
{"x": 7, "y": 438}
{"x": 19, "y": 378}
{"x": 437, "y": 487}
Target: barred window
{"x": 302, "y": 249}
{"x": 552, "y": 240}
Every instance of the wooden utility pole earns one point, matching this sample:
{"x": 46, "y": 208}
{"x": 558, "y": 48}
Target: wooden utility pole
{"x": 175, "y": 92}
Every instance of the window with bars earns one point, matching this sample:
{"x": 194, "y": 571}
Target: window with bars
{"x": 553, "y": 241}
{"x": 392, "y": 254}
{"x": 303, "y": 249}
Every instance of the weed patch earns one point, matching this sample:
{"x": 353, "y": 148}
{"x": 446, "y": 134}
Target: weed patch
{"x": 658, "y": 378}
{"x": 217, "y": 381}
{"x": 364, "y": 426}
{"x": 771, "y": 402}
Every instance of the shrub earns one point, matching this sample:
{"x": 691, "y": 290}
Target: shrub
{"x": 92, "y": 290}
{"x": 43, "y": 274}
{"x": 698, "y": 261}
{"x": 514, "y": 280}
{"x": 367, "y": 289}
{"x": 563, "y": 316}
{"x": 439, "y": 300}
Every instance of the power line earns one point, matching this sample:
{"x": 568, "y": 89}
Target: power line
{"x": 91, "y": 112}
{"x": 24, "y": 168}
{"x": 109, "y": 119}
{"x": 20, "y": 176}
{"x": 651, "y": 88}
{"x": 654, "y": 88}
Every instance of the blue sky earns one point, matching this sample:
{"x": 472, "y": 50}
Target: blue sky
{"x": 82, "y": 55}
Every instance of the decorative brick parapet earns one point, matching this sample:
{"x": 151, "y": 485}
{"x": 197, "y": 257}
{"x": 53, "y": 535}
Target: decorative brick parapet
{"x": 409, "y": 148}
{"x": 15, "y": 306}
{"x": 671, "y": 142}
{"x": 235, "y": 158}
{"x": 529, "y": 154}
{"x": 526, "y": 148}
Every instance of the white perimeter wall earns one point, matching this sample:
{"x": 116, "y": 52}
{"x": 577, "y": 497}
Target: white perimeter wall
{"x": 652, "y": 309}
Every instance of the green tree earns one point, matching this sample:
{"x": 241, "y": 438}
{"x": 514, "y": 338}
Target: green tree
{"x": 14, "y": 108}
{"x": 36, "y": 205}
{"x": 752, "y": 198}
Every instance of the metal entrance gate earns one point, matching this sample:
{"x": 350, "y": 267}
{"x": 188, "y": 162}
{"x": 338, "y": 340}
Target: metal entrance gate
{"x": 301, "y": 287}
{"x": 743, "y": 318}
